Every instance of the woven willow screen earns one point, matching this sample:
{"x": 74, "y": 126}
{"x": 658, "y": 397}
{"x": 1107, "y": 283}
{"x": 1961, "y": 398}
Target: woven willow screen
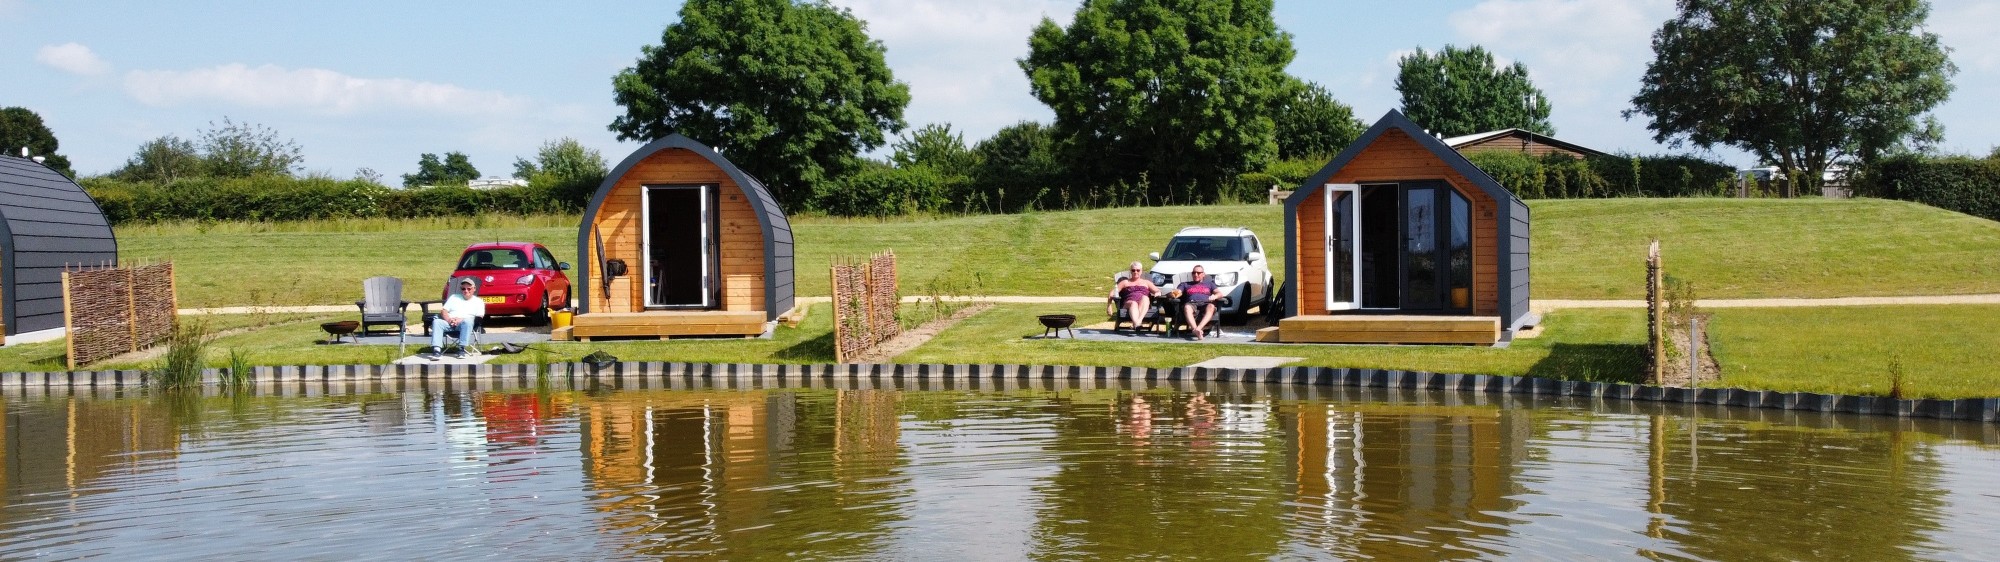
{"x": 116, "y": 310}
{"x": 864, "y": 305}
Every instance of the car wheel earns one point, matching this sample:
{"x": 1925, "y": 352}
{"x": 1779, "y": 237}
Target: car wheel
{"x": 541, "y": 315}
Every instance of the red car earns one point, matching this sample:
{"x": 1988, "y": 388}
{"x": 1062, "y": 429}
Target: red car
{"x": 515, "y": 278}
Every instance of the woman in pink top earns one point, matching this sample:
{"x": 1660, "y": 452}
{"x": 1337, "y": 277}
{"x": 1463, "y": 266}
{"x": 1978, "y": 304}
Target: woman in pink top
{"x": 1135, "y": 293}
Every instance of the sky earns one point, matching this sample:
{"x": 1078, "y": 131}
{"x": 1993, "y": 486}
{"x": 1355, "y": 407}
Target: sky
{"x": 374, "y": 84}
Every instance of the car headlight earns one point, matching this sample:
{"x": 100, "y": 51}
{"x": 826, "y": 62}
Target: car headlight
{"x": 1160, "y": 278}
{"x": 1226, "y": 279}
{"x": 525, "y": 280}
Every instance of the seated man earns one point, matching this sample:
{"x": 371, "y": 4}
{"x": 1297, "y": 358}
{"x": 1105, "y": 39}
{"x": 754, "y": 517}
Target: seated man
{"x": 460, "y": 311}
{"x": 1197, "y": 294}
{"x": 1134, "y": 294}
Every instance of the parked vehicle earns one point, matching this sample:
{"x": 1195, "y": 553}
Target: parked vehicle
{"x": 515, "y": 278}
{"x": 1233, "y": 257}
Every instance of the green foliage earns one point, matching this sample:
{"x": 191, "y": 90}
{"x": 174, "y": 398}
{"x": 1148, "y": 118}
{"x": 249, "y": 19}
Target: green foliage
{"x": 566, "y": 171}
{"x": 1291, "y": 172}
{"x": 1017, "y": 166}
{"x": 180, "y": 367}
{"x": 1461, "y": 91}
{"x": 164, "y": 159}
{"x": 1176, "y": 95}
{"x": 241, "y": 150}
{"x": 792, "y": 91}
{"x": 935, "y": 146}
{"x": 1955, "y": 183}
{"x": 22, "y": 128}
{"x": 1803, "y": 85}
{"x": 280, "y": 198}
{"x": 1313, "y": 125}
{"x": 455, "y": 168}
{"x": 1562, "y": 176}
{"x": 881, "y": 190}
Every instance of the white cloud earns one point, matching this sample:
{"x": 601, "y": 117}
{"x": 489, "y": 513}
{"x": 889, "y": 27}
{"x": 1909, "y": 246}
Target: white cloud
{"x": 313, "y": 89}
{"x": 1972, "y": 31}
{"x": 958, "y": 57}
{"x": 69, "y": 57}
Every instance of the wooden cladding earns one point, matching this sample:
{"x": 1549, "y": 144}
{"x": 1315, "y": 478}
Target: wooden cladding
{"x": 1396, "y": 158}
{"x": 620, "y": 221}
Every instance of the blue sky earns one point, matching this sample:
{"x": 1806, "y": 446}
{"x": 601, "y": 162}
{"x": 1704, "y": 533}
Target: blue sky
{"x": 369, "y": 84}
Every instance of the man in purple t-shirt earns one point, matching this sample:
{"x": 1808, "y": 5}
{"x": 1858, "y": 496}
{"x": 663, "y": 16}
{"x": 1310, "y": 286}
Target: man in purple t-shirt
{"x": 1197, "y": 294}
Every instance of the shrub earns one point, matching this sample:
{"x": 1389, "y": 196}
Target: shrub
{"x": 885, "y": 191}
{"x": 1955, "y": 183}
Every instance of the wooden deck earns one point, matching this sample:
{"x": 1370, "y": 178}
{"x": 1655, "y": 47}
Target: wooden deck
{"x": 1361, "y": 328}
{"x": 664, "y": 324}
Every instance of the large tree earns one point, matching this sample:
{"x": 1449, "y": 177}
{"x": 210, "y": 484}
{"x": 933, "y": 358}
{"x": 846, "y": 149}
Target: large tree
{"x": 163, "y": 160}
{"x": 241, "y": 150}
{"x": 21, "y": 128}
{"x": 1802, "y": 85}
{"x": 1175, "y": 93}
{"x": 1463, "y": 91}
{"x": 791, "y": 91}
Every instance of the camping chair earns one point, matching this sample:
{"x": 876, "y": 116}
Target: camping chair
{"x": 1121, "y": 316}
{"x": 451, "y": 336}
{"x": 1177, "y": 323}
{"x": 382, "y": 303}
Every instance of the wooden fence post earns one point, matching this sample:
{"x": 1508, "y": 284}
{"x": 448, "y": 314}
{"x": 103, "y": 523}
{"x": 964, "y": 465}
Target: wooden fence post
{"x": 1655, "y": 325}
{"x": 69, "y": 322}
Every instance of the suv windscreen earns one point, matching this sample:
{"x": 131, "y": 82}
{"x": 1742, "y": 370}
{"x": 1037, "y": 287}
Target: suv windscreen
{"x": 1205, "y": 248}
{"x": 495, "y": 258}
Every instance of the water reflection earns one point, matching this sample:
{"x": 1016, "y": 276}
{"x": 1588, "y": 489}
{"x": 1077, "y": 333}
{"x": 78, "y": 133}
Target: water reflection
{"x": 1056, "y": 472}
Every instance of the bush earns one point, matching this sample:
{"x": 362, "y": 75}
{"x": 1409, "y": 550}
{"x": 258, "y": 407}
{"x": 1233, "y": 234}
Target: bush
{"x": 283, "y": 198}
{"x": 1955, "y": 183}
{"x": 1559, "y": 176}
{"x": 885, "y": 191}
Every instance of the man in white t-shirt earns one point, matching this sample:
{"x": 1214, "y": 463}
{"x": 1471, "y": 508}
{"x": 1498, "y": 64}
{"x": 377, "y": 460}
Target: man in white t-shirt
{"x": 459, "y": 312}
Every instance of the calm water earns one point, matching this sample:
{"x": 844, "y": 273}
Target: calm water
{"x": 1163, "y": 472}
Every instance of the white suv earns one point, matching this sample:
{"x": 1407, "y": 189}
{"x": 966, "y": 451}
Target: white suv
{"x": 1232, "y": 257}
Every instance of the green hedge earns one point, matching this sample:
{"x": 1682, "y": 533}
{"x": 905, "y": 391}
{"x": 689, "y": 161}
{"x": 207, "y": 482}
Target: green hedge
{"x": 281, "y": 198}
{"x": 1955, "y": 183}
{"x": 1559, "y": 176}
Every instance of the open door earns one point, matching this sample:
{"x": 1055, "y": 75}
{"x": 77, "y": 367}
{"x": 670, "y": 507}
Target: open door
{"x": 680, "y": 246}
{"x": 1342, "y": 204}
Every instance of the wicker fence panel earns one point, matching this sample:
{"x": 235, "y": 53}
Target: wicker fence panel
{"x": 882, "y": 298}
{"x": 864, "y": 305}
{"x": 152, "y": 304}
{"x": 111, "y": 311}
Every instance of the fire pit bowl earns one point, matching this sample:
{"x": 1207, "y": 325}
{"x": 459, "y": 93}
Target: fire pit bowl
{"x": 338, "y": 329}
{"x": 1055, "y": 323}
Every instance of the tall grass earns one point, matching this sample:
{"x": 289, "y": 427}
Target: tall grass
{"x": 181, "y": 367}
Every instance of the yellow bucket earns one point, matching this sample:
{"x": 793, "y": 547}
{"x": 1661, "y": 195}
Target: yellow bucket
{"x": 559, "y": 319}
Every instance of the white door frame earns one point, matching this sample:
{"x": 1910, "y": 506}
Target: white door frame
{"x": 1353, "y": 203}
{"x": 705, "y": 194}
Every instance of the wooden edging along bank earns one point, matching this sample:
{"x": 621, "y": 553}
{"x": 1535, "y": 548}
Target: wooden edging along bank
{"x": 1002, "y": 377}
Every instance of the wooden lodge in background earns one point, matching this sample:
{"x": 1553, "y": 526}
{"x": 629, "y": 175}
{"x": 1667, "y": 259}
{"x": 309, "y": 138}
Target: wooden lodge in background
{"x": 1423, "y": 247}
{"x": 678, "y": 241}
{"x": 1518, "y": 140}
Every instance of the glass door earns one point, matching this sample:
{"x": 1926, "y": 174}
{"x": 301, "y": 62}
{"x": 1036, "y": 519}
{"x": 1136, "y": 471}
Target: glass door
{"x": 679, "y": 246}
{"x": 1342, "y": 209}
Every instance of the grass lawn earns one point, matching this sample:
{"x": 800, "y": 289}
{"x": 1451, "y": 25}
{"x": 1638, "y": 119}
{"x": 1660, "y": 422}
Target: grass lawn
{"x": 1759, "y": 248}
{"x": 1584, "y": 249}
{"x": 1945, "y": 351}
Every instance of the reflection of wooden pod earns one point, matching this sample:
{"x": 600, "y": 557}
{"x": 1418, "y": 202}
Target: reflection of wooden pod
{"x": 698, "y": 236}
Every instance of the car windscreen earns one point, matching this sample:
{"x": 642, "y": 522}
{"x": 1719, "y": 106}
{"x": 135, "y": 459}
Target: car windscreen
{"x": 494, "y": 258}
{"x": 1204, "y": 248}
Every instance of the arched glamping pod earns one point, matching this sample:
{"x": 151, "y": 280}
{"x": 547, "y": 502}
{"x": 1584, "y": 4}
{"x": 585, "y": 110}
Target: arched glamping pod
{"x": 1400, "y": 239}
{"x": 679, "y": 242}
{"x": 47, "y": 222}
